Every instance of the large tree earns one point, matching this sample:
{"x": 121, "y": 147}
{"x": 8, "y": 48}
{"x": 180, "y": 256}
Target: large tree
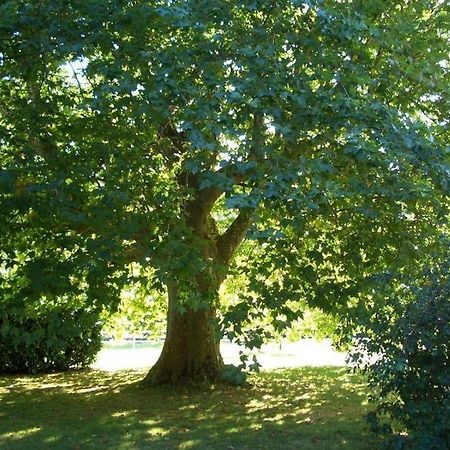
{"x": 167, "y": 133}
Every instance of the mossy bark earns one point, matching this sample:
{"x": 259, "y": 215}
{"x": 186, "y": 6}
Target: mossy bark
{"x": 191, "y": 348}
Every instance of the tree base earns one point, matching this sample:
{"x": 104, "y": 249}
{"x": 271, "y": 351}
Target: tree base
{"x": 160, "y": 374}
{"x": 191, "y": 351}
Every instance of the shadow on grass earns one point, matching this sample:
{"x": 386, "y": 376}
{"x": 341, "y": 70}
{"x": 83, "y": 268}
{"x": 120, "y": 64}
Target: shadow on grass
{"x": 307, "y": 408}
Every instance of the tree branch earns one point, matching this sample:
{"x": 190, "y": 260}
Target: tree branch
{"x": 269, "y": 12}
{"x": 176, "y": 138}
{"x": 229, "y": 241}
{"x": 208, "y": 196}
{"x": 74, "y": 72}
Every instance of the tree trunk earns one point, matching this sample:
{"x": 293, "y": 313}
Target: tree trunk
{"x": 191, "y": 348}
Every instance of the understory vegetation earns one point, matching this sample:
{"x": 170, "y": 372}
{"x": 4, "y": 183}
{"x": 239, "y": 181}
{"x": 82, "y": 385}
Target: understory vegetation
{"x": 405, "y": 351}
{"x": 40, "y": 338}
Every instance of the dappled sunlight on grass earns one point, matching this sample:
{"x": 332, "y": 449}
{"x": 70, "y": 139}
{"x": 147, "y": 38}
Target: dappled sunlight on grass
{"x": 71, "y": 382}
{"x": 20, "y": 434}
{"x": 308, "y": 408}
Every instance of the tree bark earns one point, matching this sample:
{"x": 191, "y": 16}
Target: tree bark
{"x": 191, "y": 348}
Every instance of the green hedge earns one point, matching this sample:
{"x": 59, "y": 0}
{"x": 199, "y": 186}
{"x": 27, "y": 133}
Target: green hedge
{"x": 56, "y": 338}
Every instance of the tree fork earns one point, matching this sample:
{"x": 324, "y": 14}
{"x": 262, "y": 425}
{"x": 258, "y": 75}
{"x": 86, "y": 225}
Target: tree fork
{"x": 191, "y": 349}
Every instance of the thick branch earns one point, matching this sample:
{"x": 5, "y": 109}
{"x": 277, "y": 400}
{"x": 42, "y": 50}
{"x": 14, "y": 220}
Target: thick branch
{"x": 177, "y": 139}
{"x": 207, "y": 197}
{"x": 257, "y": 134}
{"x": 229, "y": 241}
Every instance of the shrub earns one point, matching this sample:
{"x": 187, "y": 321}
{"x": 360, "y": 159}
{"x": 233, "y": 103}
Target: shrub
{"x": 405, "y": 351}
{"x": 54, "y": 338}
{"x": 407, "y": 358}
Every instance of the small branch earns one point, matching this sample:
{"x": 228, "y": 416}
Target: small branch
{"x": 378, "y": 55}
{"x": 76, "y": 77}
{"x": 269, "y": 12}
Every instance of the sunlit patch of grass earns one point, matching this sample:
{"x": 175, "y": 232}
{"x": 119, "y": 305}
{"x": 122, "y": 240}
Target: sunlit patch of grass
{"x": 307, "y": 408}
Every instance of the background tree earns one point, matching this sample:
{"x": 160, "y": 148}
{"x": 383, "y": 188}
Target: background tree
{"x": 167, "y": 133}
{"x": 142, "y": 313}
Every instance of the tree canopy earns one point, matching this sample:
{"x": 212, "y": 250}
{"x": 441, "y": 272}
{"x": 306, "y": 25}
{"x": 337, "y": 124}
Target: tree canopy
{"x": 302, "y": 145}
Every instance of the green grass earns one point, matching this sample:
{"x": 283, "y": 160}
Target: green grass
{"x": 305, "y": 409}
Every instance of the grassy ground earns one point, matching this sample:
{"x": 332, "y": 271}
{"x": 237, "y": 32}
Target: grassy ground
{"x": 305, "y": 409}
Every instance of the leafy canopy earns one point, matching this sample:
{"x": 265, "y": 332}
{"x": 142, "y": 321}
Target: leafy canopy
{"x": 323, "y": 124}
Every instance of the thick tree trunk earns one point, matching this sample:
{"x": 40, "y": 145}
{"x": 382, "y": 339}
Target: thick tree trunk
{"x": 191, "y": 348}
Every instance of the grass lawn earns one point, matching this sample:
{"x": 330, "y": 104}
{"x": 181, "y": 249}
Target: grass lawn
{"x": 305, "y": 408}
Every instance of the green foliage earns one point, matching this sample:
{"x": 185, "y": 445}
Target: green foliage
{"x": 47, "y": 339}
{"x": 407, "y": 357}
{"x": 314, "y": 324}
{"x": 253, "y": 322}
{"x": 316, "y": 130}
{"x": 142, "y": 311}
